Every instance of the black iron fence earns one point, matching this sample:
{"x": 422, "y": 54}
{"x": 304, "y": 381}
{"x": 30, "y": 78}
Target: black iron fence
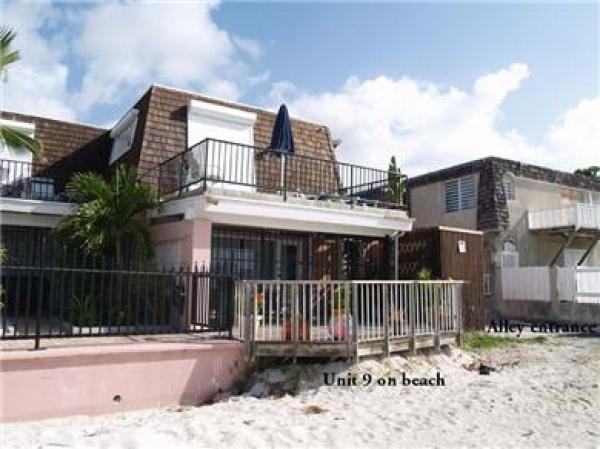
{"x": 32, "y": 181}
{"x": 50, "y": 301}
{"x": 216, "y": 163}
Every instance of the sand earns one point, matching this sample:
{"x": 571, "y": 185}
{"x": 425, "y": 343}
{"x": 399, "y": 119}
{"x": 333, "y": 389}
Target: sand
{"x": 542, "y": 395}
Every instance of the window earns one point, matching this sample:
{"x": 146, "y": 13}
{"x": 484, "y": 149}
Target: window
{"x": 509, "y": 257}
{"x": 123, "y": 134}
{"x": 508, "y": 183}
{"x": 459, "y": 194}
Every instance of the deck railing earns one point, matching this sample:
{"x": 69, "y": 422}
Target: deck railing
{"x": 215, "y": 163}
{"x": 345, "y": 312}
{"x": 579, "y": 216}
{"x": 31, "y": 181}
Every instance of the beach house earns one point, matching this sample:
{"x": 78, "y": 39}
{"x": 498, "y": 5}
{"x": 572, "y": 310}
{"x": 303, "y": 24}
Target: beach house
{"x": 230, "y": 202}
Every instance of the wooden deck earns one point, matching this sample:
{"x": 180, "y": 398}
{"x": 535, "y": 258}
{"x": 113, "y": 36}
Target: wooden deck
{"x": 348, "y": 319}
{"x": 342, "y": 350}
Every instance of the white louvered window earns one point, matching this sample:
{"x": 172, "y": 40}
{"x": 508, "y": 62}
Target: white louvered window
{"x": 460, "y": 194}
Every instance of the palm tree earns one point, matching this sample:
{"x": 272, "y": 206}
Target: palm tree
{"x": 10, "y": 136}
{"x": 108, "y": 218}
{"x": 591, "y": 172}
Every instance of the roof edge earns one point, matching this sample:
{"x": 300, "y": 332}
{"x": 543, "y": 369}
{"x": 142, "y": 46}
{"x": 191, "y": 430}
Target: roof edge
{"x": 54, "y": 119}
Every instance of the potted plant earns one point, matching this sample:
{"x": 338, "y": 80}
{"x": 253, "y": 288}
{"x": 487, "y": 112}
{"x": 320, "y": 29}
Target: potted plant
{"x": 337, "y": 323}
{"x": 259, "y": 301}
{"x": 303, "y": 327}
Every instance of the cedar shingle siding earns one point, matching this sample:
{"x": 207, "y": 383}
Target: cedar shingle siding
{"x": 162, "y": 128}
{"x": 61, "y": 139}
{"x": 161, "y": 133}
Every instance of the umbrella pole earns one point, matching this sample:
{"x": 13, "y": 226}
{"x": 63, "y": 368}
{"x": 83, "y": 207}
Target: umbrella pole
{"x": 282, "y": 181}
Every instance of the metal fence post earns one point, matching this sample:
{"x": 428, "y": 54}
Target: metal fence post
{"x": 207, "y": 142}
{"x": 39, "y": 310}
{"x": 351, "y": 186}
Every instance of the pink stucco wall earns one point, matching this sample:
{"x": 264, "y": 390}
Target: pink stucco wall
{"x": 60, "y": 382}
{"x": 194, "y": 236}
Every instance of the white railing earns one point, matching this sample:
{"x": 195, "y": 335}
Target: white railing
{"x": 577, "y": 284}
{"x": 345, "y": 311}
{"x": 581, "y": 216}
{"x": 588, "y": 285}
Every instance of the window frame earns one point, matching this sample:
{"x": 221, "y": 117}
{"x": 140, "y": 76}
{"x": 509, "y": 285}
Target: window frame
{"x": 460, "y": 200}
{"x": 508, "y": 178}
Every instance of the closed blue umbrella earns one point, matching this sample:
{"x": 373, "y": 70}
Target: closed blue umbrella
{"x": 282, "y": 139}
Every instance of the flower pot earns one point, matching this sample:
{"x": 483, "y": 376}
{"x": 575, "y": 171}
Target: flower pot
{"x": 303, "y": 330}
{"x": 337, "y": 325}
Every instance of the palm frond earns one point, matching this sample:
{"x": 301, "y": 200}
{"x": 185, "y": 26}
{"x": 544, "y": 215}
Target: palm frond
{"x": 14, "y": 138}
{"x": 108, "y": 219}
{"x": 7, "y": 55}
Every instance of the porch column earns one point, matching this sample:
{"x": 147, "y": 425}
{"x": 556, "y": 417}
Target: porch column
{"x": 200, "y": 243}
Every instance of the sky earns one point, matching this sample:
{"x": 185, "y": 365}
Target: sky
{"x": 434, "y": 84}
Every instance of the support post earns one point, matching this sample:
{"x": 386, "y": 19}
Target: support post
{"x": 554, "y": 297}
{"x": 249, "y": 331}
{"x": 459, "y": 306}
{"x": 412, "y": 318}
{"x": 355, "y": 321}
{"x": 386, "y": 319}
{"x": 348, "y": 331}
{"x": 589, "y": 250}
{"x": 567, "y": 242}
{"x": 295, "y": 320}
{"x": 436, "y": 317}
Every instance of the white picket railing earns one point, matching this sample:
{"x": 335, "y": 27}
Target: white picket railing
{"x": 580, "y": 215}
{"x": 339, "y": 311}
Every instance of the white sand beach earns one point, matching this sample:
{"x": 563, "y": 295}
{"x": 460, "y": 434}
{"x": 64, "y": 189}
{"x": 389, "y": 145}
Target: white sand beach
{"x": 540, "y": 395}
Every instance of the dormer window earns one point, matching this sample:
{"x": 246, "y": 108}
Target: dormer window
{"x": 123, "y": 134}
{"x": 508, "y": 183}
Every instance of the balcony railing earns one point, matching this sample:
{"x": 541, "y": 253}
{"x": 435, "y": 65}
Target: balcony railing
{"x": 215, "y": 163}
{"x": 578, "y": 216}
{"x": 31, "y": 181}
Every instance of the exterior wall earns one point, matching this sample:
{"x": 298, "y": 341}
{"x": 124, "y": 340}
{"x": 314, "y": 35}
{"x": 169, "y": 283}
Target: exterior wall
{"x": 86, "y": 380}
{"x": 427, "y": 207}
{"x": 538, "y": 249}
{"x": 492, "y": 208}
{"x": 189, "y": 239}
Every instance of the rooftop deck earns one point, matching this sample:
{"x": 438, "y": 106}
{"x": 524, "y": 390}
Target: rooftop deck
{"x": 218, "y": 165}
